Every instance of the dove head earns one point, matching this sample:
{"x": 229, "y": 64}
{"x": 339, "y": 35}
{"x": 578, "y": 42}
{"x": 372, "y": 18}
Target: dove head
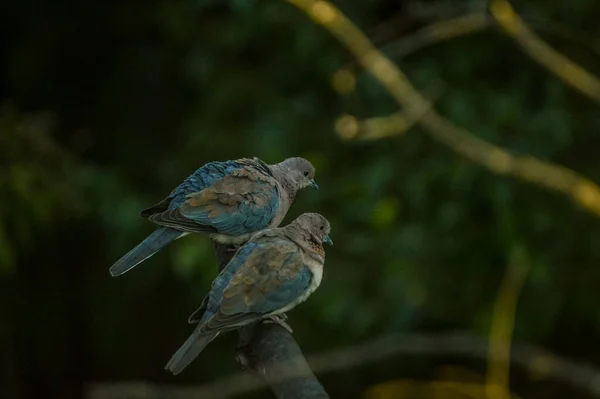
{"x": 296, "y": 173}
{"x": 314, "y": 228}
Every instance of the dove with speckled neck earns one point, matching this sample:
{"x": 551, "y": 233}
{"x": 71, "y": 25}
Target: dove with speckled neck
{"x": 229, "y": 201}
{"x": 273, "y": 272}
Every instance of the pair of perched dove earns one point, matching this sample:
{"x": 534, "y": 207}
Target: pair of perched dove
{"x": 241, "y": 203}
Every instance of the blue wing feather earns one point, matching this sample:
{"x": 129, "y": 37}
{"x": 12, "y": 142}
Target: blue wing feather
{"x": 202, "y": 178}
{"x": 246, "y": 217}
{"x": 285, "y": 293}
{"x": 223, "y": 279}
{"x": 274, "y": 298}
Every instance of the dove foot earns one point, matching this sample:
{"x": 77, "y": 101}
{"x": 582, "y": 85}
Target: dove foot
{"x": 233, "y": 248}
{"x": 279, "y": 319}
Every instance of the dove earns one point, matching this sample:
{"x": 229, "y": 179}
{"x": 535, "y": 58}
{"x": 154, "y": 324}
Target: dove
{"x": 275, "y": 270}
{"x": 228, "y": 200}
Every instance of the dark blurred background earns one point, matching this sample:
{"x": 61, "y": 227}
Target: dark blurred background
{"x": 106, "y": 106}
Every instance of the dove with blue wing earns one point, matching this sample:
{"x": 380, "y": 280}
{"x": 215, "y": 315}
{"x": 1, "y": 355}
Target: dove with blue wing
{"x": 270, "y": 274}
{"x": 227, "y": 200}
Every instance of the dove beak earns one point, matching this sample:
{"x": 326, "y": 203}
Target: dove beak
{"x": 328, "y": 240}
{"x": 314, "y": 184}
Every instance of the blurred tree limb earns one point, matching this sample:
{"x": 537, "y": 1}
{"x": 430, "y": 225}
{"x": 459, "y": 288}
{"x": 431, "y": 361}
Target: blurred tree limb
{"x": 440, "y": 31}
{"x": 439, "y": 389}
{"x": 436, "y": 32}
{"x": 539, "y": 362}
{"x": 462, "y": 25}
{"x": 565, "y": 69}
{"x": 503, "y": 320}
{"x": 469, "y": 23}
{"x": 349, "y": 127}
{"x": 555, "y": 177}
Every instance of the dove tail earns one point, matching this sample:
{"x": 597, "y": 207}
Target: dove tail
{"x": 151, "y": 245}
{"x": 189, "y": 351}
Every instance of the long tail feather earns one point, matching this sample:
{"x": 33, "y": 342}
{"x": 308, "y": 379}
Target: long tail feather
{"x": 189, "y": 351}
{"x": 151, "y": 245}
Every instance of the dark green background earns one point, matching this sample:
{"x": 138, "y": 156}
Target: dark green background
{"x": 108, "y": 105}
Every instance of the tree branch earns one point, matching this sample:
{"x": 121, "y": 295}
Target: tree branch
{"x": 580, "y": 189}
{"x": 541, "y": 363}
{"x": 503, "y": 324}
{"x": 568, "y": 71}
{"x": 274, "y": 355}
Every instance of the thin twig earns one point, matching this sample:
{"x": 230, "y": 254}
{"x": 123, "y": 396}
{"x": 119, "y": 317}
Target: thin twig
{"x": 349, "y": 127}
{"x": 503, "y": 320}
{"x": 466, "y": 24}
{"x": 437, "y": 32}
{"x": 409, "y": 389}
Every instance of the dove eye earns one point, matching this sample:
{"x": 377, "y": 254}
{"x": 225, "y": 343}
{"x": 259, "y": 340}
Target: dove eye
{"x": 321, "y": 227}
{"x": 306, "y": 173}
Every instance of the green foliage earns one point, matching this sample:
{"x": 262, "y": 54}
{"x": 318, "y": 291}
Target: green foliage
{"x": 34, "y": 180}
